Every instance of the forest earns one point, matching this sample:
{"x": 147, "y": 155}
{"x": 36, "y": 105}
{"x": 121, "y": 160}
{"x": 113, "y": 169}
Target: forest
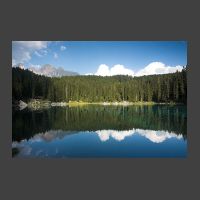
{"x": 157, "y": 88}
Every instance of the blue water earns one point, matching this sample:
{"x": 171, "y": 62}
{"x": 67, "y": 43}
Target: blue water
{"x": 90, "y": 144}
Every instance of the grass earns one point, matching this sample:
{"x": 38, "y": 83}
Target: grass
{"x": 77, "y": 103}
{"x": 82, "y": 103}
{"x": 144, "y": 103}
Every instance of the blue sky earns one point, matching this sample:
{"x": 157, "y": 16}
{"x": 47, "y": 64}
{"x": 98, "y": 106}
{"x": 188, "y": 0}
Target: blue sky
{"x": 87, "y": 56}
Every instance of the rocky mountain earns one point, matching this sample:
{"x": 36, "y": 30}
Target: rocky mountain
{"x": 51, "y": 71}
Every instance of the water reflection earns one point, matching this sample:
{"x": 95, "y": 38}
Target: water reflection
{"x": 101, "y": 131}
{"x": 103, "y": 143}
{"x": 153, "y": 136}
{"x": 104, "y": 135}
{"x": 27, "y": 123}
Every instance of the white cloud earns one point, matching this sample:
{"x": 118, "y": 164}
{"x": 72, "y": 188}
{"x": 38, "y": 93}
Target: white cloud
{"x": 32, "y": 44}
{"x": 38, "y": 54}
{"x": 34, "y": 68}
{"x": 21, "y": 56}
{"x": 55, "y": 55}
{"x": 23, "y": 50}
{"x": 118, "y": 69}
{"x": 21, "y": 66}
{"x": 26, "y": 150}
{"x": 103, "y": 70}
{"x": 62, "y": 48}
{"x": 14, "y": 62}
{"x": 44, "y": 52}
{"x": 152, "y": 68}
{"x": 158, "y": 68}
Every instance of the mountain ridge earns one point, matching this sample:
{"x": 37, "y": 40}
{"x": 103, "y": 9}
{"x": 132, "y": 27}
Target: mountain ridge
{"x": 48, "y": 70}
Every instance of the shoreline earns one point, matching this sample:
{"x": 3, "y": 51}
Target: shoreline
{"x": 123, "y": 103}
{"x": 35, "y": 103}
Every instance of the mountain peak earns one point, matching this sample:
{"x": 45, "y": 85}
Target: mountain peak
{"x": 51, "y": 71}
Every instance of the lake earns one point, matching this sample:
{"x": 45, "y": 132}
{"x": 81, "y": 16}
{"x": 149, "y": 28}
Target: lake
{"x": 93, "y": 131}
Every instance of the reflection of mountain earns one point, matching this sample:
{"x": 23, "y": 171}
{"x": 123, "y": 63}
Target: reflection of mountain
{"x": 154, "y": 136}
{"x": 51, "y": 135}
{"x": 27, "y": 123}
{"x": 47, "y": 136}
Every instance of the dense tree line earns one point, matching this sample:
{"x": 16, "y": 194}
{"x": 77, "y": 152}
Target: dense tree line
{"x": 158, "y": 88}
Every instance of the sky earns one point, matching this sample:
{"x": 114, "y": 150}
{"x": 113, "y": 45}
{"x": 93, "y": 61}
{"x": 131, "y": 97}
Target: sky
{"x": 105, "y": 58}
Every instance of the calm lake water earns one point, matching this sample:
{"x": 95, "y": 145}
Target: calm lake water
{"x": 100, "y": 131}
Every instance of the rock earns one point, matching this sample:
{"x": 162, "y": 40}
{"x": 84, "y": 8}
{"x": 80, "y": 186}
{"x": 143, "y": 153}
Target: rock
{"x": 36, "y": 104}
{"x": 58, "y": 104}
{"x": 22, "y": 105}
{"x": 106, "y": 103}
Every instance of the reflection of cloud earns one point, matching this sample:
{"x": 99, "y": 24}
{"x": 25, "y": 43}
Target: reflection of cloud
{"x": 47, "y": 136}
{"x": 38, "y": 152}
{"x": 56, "y": 150}
{"x": 117, "y": 135}
{"x": 104, "y": 135}
{"x": 14, "y": 144}
{"x": 26, "y": 150}
{"x": 153, "y": 136}
{"x": 157, "y": 136}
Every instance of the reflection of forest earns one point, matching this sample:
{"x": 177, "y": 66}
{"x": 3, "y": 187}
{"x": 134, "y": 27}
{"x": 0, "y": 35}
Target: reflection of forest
{"x": 27, "y": 123}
